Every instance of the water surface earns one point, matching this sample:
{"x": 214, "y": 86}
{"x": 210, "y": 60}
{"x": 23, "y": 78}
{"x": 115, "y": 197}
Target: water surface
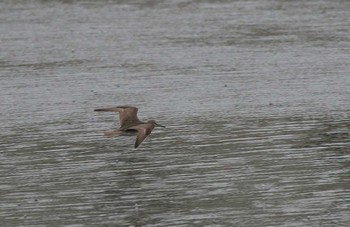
{"x": 254, "y": 94}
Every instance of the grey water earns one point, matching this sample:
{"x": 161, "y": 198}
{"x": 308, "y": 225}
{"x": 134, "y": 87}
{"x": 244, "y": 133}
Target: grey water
{"x": 254, "y": 94}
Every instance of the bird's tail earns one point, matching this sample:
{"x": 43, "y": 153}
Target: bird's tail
{"x": 113, "y": 133}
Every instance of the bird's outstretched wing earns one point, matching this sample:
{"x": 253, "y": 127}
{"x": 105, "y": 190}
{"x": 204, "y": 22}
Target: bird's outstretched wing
{"x": 143, "y": 130}
{"x": 127, "y": 115}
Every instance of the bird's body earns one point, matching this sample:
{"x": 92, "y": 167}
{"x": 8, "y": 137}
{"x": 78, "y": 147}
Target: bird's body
{"x": 129, "y": 122}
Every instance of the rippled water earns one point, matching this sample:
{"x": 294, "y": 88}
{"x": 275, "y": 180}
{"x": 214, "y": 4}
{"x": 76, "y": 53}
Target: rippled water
{"x": 254, "y": 94}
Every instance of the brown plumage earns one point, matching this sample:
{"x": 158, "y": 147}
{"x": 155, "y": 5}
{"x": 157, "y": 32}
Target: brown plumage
{"x": 130, "y": 122}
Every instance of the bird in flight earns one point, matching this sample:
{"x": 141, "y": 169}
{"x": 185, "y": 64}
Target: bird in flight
{"x": 129, "y": 122}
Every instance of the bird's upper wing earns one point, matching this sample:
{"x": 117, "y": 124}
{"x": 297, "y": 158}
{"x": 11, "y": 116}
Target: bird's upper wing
{"x": 127, "y": 114}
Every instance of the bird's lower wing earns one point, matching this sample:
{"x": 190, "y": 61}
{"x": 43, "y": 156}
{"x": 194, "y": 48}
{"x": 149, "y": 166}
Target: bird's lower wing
{"x": 142, "y": 132}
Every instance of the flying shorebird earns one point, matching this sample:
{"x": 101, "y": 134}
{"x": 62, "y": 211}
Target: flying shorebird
{"x": 129, "y": 122}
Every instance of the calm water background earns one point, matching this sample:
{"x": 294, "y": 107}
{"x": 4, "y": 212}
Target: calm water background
{"x": 255, "y": 96}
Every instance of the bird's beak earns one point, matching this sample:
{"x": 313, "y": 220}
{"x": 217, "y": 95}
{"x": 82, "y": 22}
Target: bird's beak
{"x": 160, "y": 125}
